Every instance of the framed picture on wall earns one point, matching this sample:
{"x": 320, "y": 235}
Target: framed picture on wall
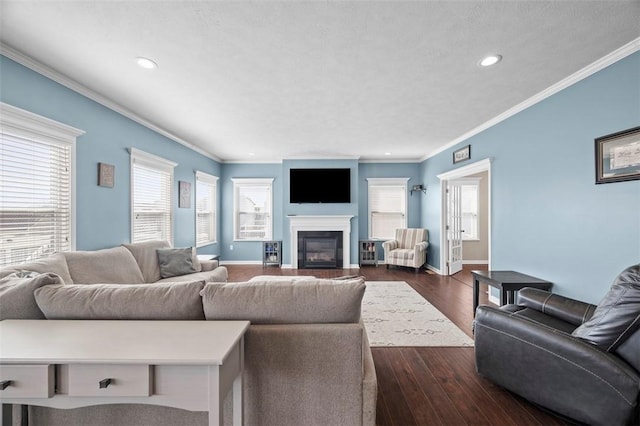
{"x": 462, "y": 154}
{"x": 618, "y": 156}
{"x": 184, "y": 189}
{"x": 106, "y": 175}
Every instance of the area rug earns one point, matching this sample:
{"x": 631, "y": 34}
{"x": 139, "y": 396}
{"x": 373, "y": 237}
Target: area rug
{"x": 394, "y": 314}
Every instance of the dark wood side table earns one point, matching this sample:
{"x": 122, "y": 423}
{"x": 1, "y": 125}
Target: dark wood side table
{"x": 507, "y": 281}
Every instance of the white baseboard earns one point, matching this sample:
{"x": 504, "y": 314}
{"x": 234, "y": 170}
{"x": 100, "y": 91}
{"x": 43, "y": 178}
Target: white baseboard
{"x": 289, "y": 266}
{"x": 475, "y": 262}
{"x": 241, "y": 262}
{"x": 434, "y": 269}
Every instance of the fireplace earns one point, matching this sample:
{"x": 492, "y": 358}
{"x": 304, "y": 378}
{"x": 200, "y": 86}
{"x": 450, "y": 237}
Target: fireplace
{"x": 318, "y": 223}
{"x": 319, "y": 249}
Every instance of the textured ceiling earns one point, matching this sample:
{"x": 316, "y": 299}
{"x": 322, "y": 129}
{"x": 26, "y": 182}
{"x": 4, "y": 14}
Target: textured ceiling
{"x": 318, "y": 79}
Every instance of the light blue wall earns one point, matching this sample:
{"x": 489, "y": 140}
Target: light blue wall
{"x": 389, "y": 170}
{"x": 549, "y": 218}
{"x": 250, "y": 251}
{"x": 103, "y": 214}
{"x": 247, "y": 251}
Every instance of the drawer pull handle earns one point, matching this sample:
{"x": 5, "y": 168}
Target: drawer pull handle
{"x": 104, "y": 383}
{"x": 5, "y": 384}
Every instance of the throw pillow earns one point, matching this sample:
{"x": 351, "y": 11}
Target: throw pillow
{"x": 175, "y": 261}
{"x": 617, "y": 315}
{"x": 16, "y": 294}
{"x": 169, "y": 301}
{"x": 285, "y": 301}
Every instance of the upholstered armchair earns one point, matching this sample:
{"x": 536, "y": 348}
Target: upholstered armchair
{"x": 409, "y": 248}
{"x": 579, "y": 360}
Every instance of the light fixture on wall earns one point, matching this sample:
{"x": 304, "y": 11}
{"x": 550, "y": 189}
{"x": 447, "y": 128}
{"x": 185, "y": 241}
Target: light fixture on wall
{"x": 418, "y": 188}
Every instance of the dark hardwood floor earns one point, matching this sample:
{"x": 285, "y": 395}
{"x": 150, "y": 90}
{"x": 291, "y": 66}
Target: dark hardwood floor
{"x": 430, "y": 385}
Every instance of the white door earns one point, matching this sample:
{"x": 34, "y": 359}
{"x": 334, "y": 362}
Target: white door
{"x": 454, "y": 227}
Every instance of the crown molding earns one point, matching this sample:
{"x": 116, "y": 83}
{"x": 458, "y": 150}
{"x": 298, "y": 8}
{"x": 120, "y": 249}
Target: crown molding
{"x": 60, "y": 78}
{"x": 613, "y": 57}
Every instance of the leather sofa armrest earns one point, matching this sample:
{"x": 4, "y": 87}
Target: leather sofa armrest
{"x": 570, "y": 310}
{"x": 540, "y": 363}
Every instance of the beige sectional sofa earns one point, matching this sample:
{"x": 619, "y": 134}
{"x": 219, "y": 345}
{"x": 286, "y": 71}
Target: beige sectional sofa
{"x": 307, "y": 358}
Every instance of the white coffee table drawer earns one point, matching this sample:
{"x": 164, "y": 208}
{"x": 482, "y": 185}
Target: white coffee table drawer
{"x": 109, "y": 380}
{"x": 27, "y": 381}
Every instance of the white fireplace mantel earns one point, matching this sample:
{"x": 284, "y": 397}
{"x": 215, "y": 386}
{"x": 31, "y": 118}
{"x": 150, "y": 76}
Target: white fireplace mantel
{"x": 300, "y": 223}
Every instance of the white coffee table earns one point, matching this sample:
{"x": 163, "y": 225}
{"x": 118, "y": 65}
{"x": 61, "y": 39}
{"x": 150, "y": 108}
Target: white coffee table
{"x": 68, "y": 364}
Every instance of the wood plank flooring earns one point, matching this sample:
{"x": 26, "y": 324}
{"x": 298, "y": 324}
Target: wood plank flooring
{"x": 433, "y": 385}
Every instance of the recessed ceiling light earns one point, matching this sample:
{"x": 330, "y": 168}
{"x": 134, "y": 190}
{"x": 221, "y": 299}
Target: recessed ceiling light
{"x": 146, "y": 63}
{"x": 487, "y": 61}
{"x": 387, "y": 153}
{"x": 251, "y": 154}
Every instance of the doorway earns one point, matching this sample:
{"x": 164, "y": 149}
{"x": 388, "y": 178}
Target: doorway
{"x": 452, "y": 217}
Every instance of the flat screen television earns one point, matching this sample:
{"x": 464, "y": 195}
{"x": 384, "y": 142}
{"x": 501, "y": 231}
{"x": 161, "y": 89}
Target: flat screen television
{"x": 319, "y": 186}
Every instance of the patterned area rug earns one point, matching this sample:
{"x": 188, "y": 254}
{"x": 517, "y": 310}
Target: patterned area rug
{"x": 394, "y": 314}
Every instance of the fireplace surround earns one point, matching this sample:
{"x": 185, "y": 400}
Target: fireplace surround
{"x": 342, "y": 223}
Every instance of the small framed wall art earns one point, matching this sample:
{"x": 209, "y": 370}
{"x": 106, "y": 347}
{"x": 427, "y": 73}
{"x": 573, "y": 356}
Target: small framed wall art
{"x": 618, "y": 156}
{"x": 184, "y": 189}
{"x": 462, "y": 154}
{"x": 106, "y": 175}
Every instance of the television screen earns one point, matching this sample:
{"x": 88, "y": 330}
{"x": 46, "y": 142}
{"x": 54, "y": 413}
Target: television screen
{"x": 319, "y": 186}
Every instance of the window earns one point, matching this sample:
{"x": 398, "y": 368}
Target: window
{"x": 469, "y": 207}
{"x": 151, "y": 183}
{"x": 206, "y": 201}
{"x": 36, "y": 186}
{"x": 387, "y": 207}
{"x": 252, "y": 215}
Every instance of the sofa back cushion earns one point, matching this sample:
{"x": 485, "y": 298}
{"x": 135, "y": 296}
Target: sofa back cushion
{"x": 56, "y": 264}
{"x": 111, "y": 266}
{"x": 285, "y": 301}
{"x": 16, "y": 294}
{"x": 617, "y": 316}
{"x": 169, "y": 301}
{"x": 146, "y": 254}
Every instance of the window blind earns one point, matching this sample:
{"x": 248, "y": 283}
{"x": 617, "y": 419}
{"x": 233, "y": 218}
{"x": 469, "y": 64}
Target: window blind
{"x": 206, "y": 201}
{"x": 387, "y": 207}
{"x": 35, "y": 199}
{"x": 151, "y": 184}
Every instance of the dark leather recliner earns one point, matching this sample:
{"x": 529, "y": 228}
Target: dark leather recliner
{"x": 578, "y": 360}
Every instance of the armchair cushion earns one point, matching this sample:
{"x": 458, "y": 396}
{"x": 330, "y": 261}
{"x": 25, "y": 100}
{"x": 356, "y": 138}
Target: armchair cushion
{"x": 618, "y": 313}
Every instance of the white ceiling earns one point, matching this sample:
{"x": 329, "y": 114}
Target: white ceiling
{"x": 318, "y": 79}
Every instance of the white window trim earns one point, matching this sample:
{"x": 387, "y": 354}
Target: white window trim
{"x": 27, "y": 125}
{"x": 212, "y": 180}
{"x": 252, "y": 181}
{"x": 155, "y": 162}
{"x": 388, "y": 182}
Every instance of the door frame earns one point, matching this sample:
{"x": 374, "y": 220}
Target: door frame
{"x": 469, "y": 169}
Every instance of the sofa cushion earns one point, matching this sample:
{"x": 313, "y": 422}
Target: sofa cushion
{"x": 175, "y": 261}
{"x": 617, "y": 316}
{"x": 218, "y": 275}
{"x": 112, "y": 266}
{"x": 16, "y": 294}
{"x": 169, "y": 301}
{"x": 56, "y": 264}
{"x": 147, "y": 258}
{"x": 285, "y": 301}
